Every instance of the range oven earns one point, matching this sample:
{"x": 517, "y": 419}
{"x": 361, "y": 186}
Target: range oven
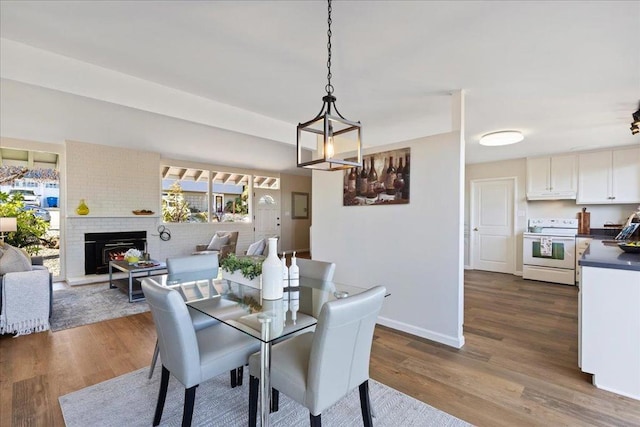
{"x": 549, "y": 250}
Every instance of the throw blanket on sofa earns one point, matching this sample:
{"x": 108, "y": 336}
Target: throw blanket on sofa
{"x": 25, "y": 303}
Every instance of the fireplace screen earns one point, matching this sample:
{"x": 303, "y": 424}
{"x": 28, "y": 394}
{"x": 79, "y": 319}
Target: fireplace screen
{"x": 100, "y": 248}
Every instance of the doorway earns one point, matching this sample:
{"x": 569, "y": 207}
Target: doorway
{"x": 266, "y": 213}
{"x": 492, "y": 225}
{"x": 35, "y": 176}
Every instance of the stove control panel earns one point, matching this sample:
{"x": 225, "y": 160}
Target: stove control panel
{"x": 553, "y": 222}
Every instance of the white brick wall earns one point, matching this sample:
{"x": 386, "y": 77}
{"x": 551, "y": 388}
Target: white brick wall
{"x": 115, "y": 181}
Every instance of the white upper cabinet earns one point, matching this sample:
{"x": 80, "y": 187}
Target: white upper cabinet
{"x": 552, "y": 178}
{"x": 611, "y": 176}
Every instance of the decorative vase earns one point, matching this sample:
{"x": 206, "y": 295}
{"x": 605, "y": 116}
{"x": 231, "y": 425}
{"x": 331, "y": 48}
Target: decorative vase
{"x": 272, "y": 273}
{"x": 82, "y": 208}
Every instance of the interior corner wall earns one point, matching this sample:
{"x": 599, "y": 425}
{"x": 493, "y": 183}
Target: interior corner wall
{"x": 413, "y": 250}
{"x": 294, "y": 233}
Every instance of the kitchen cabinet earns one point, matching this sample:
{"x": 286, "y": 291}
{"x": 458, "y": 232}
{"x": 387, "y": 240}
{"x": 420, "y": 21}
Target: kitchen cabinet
{"x": 610, "y": 329}
{"x": 611, "y": 176}
{"x": 582, "y": 243}
{"x": 552, "y": 178}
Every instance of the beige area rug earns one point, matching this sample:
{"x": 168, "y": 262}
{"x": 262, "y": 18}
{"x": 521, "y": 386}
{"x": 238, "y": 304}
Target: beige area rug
{"x": 82, "y": 305}
{"x": 129, "y": 400}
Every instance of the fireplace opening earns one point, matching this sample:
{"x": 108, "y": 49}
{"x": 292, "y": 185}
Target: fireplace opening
{"x": 100, "y": 248}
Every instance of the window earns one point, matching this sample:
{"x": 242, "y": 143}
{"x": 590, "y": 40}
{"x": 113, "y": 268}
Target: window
{"x": 197, "y": 195}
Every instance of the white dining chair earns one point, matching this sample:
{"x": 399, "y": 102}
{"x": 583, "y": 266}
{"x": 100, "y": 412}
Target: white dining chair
{"x": 191, "y": 356}
{"x": 197, "y": 267}
{"x": 317, "y": 369}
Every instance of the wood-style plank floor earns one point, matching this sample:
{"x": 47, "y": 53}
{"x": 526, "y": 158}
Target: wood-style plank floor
{"x": 518, "y": 367}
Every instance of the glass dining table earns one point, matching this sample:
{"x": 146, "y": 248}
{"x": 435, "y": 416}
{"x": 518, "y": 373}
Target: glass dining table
{"x": 241, "y": 306}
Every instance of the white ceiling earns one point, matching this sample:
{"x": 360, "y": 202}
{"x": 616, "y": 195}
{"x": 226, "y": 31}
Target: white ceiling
{"x": 567, "y": 74}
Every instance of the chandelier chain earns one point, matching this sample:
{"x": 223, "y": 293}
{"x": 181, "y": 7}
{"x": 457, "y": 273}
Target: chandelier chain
{"x": 329, "y": 86}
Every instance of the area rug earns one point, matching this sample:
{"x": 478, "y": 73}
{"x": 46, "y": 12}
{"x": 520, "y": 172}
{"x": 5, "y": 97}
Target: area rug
{"x": 129, "y": 400}
{"x": 81, "y": 305}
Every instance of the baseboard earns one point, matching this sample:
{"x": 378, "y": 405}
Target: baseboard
{"x": 518, "y": 273}
{"x": 456, "y": 342}
{"x": 468, "y": 267}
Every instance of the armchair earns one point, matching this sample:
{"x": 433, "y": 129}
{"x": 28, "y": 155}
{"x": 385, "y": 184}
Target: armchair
{"x": 220, "y": 245}
{"x": 26, "y": 297}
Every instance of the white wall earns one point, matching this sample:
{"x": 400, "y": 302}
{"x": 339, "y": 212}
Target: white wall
{"x": 414, "y": 250}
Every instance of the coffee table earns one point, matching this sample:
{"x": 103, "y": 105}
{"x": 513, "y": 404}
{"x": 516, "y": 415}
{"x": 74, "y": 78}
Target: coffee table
{"x": 130, "y": 286}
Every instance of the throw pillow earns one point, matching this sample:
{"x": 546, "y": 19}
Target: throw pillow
{"x": 13, "y": 260}
{"x": 218, "y": 241}
{"x": 256, "y": 248}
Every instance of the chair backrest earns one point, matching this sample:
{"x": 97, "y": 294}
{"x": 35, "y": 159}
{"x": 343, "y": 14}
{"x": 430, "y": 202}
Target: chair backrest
{"x": 321, "y": 270}
{"x": 316, "y": 269}
{"x": 176, "y": 336}
{"x": 341, "y": 348}
{"x": 199, "y": 266}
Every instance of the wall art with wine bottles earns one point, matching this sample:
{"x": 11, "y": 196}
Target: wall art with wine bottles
{"x": 383, "y": 179}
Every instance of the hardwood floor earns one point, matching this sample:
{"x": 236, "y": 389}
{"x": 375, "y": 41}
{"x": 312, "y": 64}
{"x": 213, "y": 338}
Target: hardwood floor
{"x": 517, "y": 368}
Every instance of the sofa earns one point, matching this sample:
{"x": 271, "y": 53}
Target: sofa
{"x": 26, "y": 292}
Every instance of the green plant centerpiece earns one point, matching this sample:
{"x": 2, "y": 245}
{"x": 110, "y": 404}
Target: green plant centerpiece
{"x": 249, "y": 266}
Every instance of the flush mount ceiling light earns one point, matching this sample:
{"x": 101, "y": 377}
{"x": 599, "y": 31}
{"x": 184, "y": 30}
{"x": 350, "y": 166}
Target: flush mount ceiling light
{"x": 503, "y": 137}
{"x": 329, "y": 141}
{"x": 635, "y": 124}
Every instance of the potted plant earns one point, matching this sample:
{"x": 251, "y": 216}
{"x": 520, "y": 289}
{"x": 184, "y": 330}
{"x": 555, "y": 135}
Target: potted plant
{"x": 246, "y": 270}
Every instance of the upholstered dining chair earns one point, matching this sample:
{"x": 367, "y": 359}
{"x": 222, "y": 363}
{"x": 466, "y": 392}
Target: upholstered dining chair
{"x": 317, "y": 369}
{"x": 201, "y": 267}
{"x": 191, "y": 356}
{"x": 316, "y": 269}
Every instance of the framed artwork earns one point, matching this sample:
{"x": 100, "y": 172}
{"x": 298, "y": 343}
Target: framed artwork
{"x": 383, "y": 179}
{"x": 299, "y": 205}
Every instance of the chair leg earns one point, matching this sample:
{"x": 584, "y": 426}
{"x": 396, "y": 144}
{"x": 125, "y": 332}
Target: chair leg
{"x": 234, "y": 378}
{"x": 253, "y": 400}
{"x": 365, "y": 404}
{"x": 154, "y": 359}
{"x": 275, "y": 400}
{"x": 315, "y": 420}
{"x": 162, "y": 395}
{"x": 189, "y": 400}
{"x": 240, "y": 374}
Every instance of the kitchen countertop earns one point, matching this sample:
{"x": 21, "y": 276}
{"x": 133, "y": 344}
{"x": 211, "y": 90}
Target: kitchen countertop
{"x": 609, "y": 255}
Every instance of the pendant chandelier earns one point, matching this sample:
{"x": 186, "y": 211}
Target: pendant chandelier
{"x": 329, "y": 141}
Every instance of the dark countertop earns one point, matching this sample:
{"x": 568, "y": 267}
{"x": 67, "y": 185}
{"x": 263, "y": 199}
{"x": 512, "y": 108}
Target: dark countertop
{"x": 609, "y": 255}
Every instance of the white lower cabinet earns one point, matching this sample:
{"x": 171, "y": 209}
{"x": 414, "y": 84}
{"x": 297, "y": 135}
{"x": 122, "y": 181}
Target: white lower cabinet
{"x": 610, "y": 329}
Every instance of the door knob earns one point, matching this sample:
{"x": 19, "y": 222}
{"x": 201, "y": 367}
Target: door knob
{"x": 475, "y": 229}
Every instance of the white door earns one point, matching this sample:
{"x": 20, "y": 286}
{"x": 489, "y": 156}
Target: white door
{"x": 266, "y": 213}
{"x": 492, "y": 231}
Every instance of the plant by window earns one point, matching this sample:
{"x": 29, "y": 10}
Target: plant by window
{"x": 174, "y": 207}
{"x": 30, "y": 229}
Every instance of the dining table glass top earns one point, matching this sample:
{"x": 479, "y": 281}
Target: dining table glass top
{"x": 242, "y": 307}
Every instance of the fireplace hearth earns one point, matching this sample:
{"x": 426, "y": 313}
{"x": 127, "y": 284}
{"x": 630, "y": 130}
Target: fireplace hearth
{"x": 100, "y": 248}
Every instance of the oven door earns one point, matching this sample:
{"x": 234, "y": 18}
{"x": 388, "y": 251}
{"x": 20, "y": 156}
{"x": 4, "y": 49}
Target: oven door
{"x": 549, "y": 251}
